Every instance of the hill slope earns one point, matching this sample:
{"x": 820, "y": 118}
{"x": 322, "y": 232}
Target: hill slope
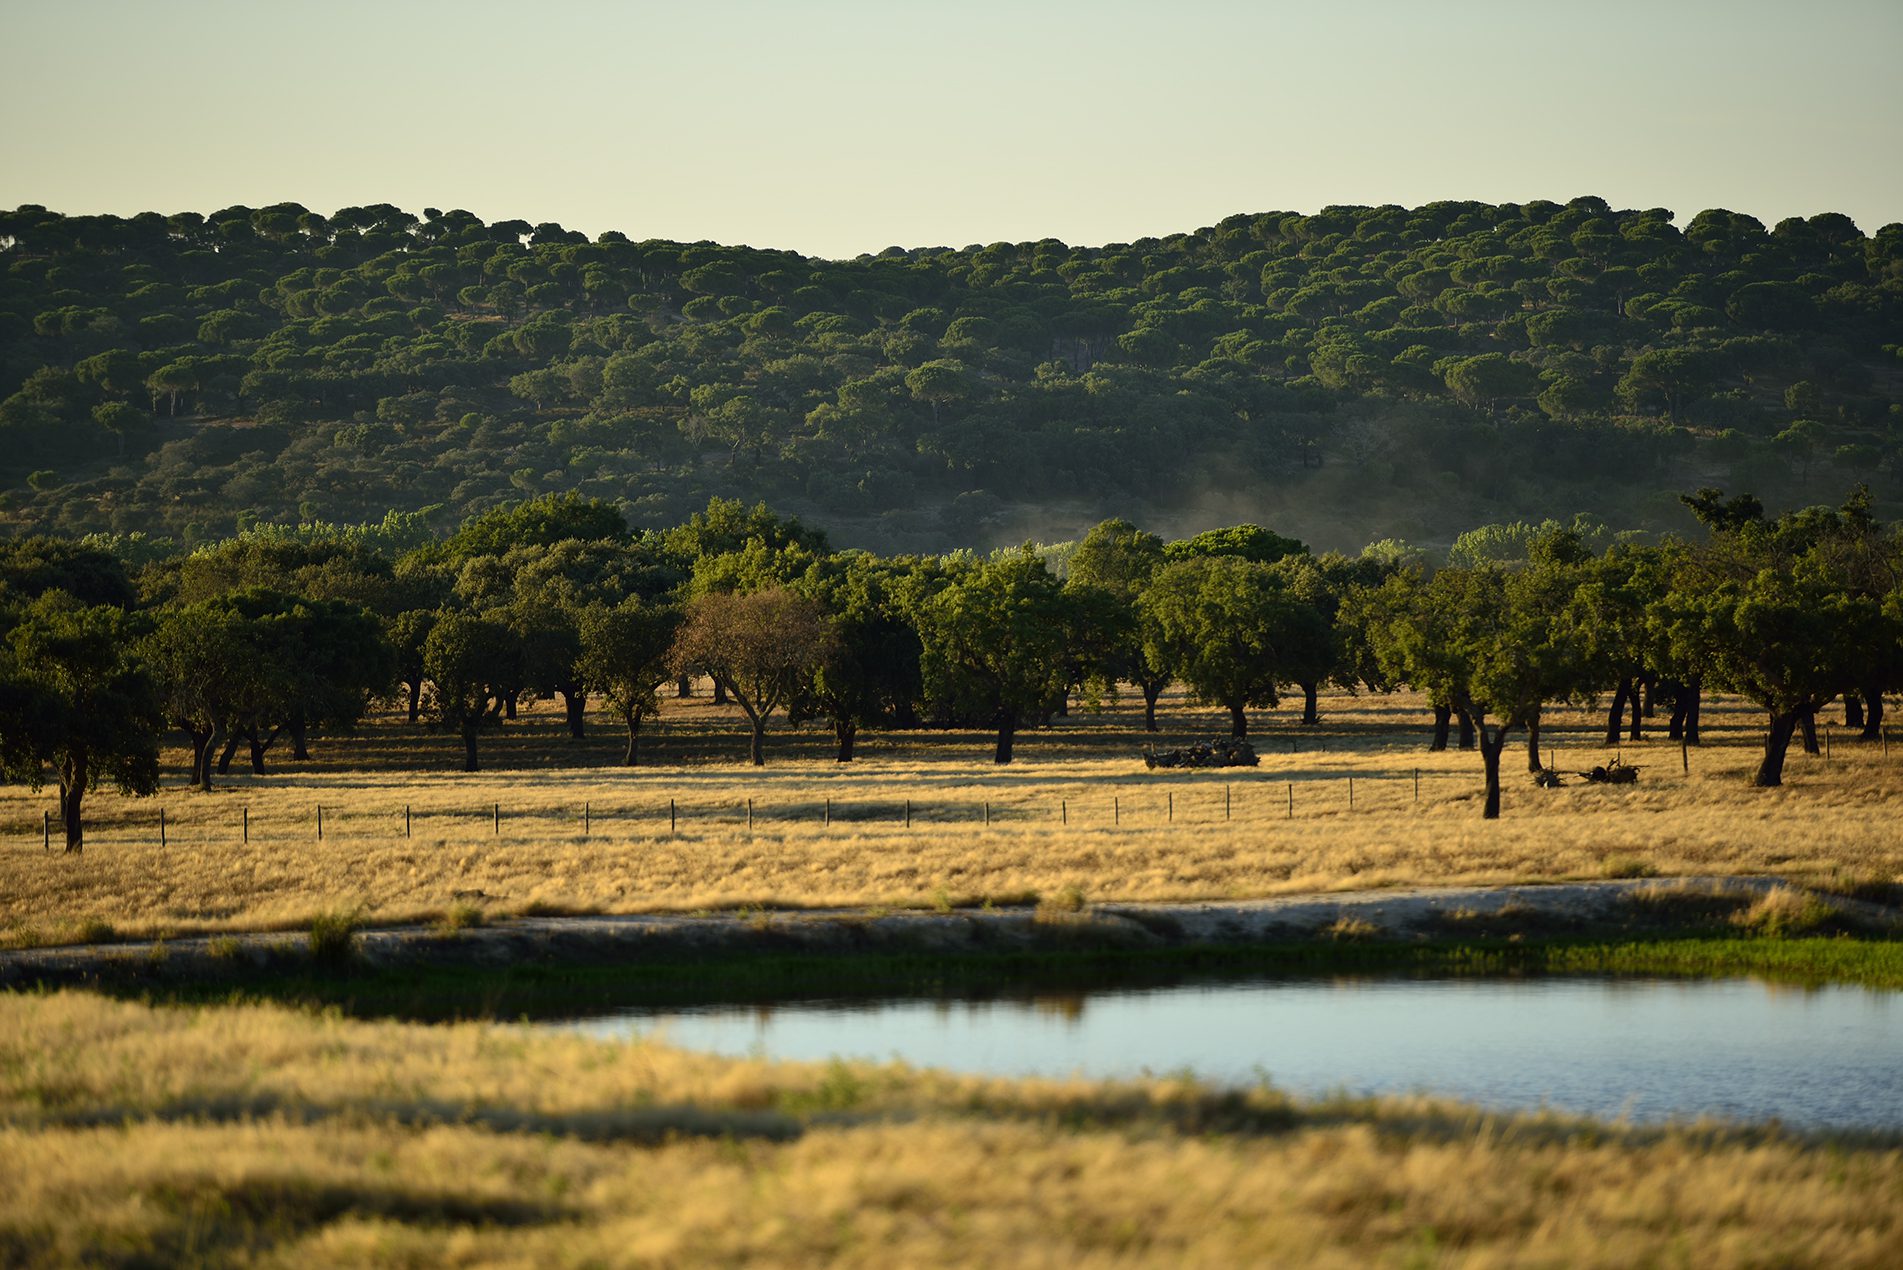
{"x": 1347, "y": 375}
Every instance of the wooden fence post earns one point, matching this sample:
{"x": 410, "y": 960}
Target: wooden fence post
{"x": 1225, "y": 801}
{"x": 1351, "y": 793}
{"x": 161, "y": 826}
{"x": 320, "y": 822}
{"x": 46, "y": 830}
{"x": 498, "y": 815}
{"x": 1417, "y": 784}
{"x": 1116, "y": 811}
{"x": 1172, "y": 807}
{"x": 406, "y": 820}
{"x": 829, "y": 811}
{"x": 908, "y": 813}
{"x": 1291, "y": 800}
{"x": 749, "y": 815}
{"x": 670, "y": 815}
{"x": 987, "y": 813}
{"x": 247, "y": 824}
{"x": 587, "y": 815}
{"x": 1063, "y": 811}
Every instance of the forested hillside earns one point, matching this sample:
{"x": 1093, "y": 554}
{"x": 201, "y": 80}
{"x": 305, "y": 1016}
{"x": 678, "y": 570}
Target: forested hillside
{"x": 1350, "y": 375}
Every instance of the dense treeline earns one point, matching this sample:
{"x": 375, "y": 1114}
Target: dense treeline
{"x": 1394, "y": 370}
{"x": 273, "y": 637}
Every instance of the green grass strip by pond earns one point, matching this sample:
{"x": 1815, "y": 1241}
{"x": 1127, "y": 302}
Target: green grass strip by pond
{"x": 542, "y": 990}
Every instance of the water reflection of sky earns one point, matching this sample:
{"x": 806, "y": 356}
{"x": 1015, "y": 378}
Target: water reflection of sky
{"x": 1653, "y": 1049}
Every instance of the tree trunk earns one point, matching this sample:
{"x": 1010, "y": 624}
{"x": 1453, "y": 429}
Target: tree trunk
{"x": 1776, "y": 742}
{"x": 72, "y": 791}
{"x": 1853, "y": 710}
{"x": 300, "y": 738}
{"x": 846, "y": 731}
{"x": 257, "y": 754}
{"x": 1873, "y": 714}
{"x": 1310, "y": 715}
{"x": 469, "y": 748}
{"x": 1807, "y": 724}
{"x": 1490, "y": 749}
{"x": 1238, "y": 721}
{"x": 1695, "y": 691}
{"x": 1637, "y": 702}
{"x": 1443, "y": 717}
{"x": 632, "y": 756}
{"x": 231, "y": 748}
{"x": 1648, "y": 686}
{"x": 720, "y": 693}
{"x": 1150, "y": 694}
{"x": 1007, "y": 733}
{"x": 684, "y": 687}
{"x": 508, "y": 705}
{"x": 1061, "y": 708}
{"x": 1533, "y": 763}
{"x": 757, "y": 749}
{"x": 1466, "y": 729}
{"x": 577, "y": 703}
{"x": 202, "y": 743}
{"x": 416, "y": 698}
{"x": 1616, "y": 715}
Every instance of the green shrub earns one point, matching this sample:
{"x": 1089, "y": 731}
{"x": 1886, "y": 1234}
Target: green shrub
{"x": 1784, "y": 911}
{"x": 96, "y": 931}
{"x": 461, "y": 917}
{"x": 334, "y": 937}
{"x": 1069, "y": 900}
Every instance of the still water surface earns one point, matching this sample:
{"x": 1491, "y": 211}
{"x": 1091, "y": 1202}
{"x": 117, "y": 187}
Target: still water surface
{"x": 1648, "y": 1049}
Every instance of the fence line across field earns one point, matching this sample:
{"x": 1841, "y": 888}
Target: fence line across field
{"x": 328, "y": 823}
{"x": 1144, "y": 811}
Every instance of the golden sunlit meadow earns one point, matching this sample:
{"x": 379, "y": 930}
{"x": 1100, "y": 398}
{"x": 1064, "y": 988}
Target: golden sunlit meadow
{"x": 1077, "y": 810}
{"x": 263, "y": 1135}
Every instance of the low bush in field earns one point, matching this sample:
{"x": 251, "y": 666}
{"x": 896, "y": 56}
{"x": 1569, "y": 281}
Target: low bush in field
{"x": 1784, "y": 911}
{"x": 333, "y": 938}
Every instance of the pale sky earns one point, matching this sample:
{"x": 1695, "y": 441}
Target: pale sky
{"x": 839, "y": 126}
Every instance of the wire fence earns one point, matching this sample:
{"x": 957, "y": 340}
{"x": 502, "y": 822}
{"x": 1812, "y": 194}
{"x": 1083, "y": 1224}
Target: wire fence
{"x": 1252, "y": 800}
{"x": 1246, "y": 798}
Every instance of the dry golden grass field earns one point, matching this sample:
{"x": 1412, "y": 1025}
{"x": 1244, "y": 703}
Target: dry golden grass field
{"x": 258, "y": 1135}
{"x": 1077, "y": 810}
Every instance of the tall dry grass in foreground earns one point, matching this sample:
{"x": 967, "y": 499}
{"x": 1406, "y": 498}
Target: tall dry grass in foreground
{"x": 136, "y": 1135}
{"x": 1078, "y": 811}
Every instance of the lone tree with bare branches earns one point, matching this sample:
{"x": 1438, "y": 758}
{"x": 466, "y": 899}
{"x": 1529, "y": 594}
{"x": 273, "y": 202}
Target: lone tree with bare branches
{"x": 761, "y": 647}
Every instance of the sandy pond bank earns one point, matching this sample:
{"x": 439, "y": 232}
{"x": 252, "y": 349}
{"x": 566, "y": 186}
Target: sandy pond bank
{"x": 1613, "y": 908}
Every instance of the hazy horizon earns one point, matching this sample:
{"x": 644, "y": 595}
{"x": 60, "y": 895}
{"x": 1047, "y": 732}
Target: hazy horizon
{"x": 837, "y": 128}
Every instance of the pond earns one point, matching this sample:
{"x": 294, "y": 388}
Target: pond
{"x": 1646, "y": 1049}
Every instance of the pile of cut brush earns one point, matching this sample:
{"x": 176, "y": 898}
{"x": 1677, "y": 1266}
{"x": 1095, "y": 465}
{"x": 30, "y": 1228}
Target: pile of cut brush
{"x": 1613, "y": 773}
{"x": 1228, "y": 751}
